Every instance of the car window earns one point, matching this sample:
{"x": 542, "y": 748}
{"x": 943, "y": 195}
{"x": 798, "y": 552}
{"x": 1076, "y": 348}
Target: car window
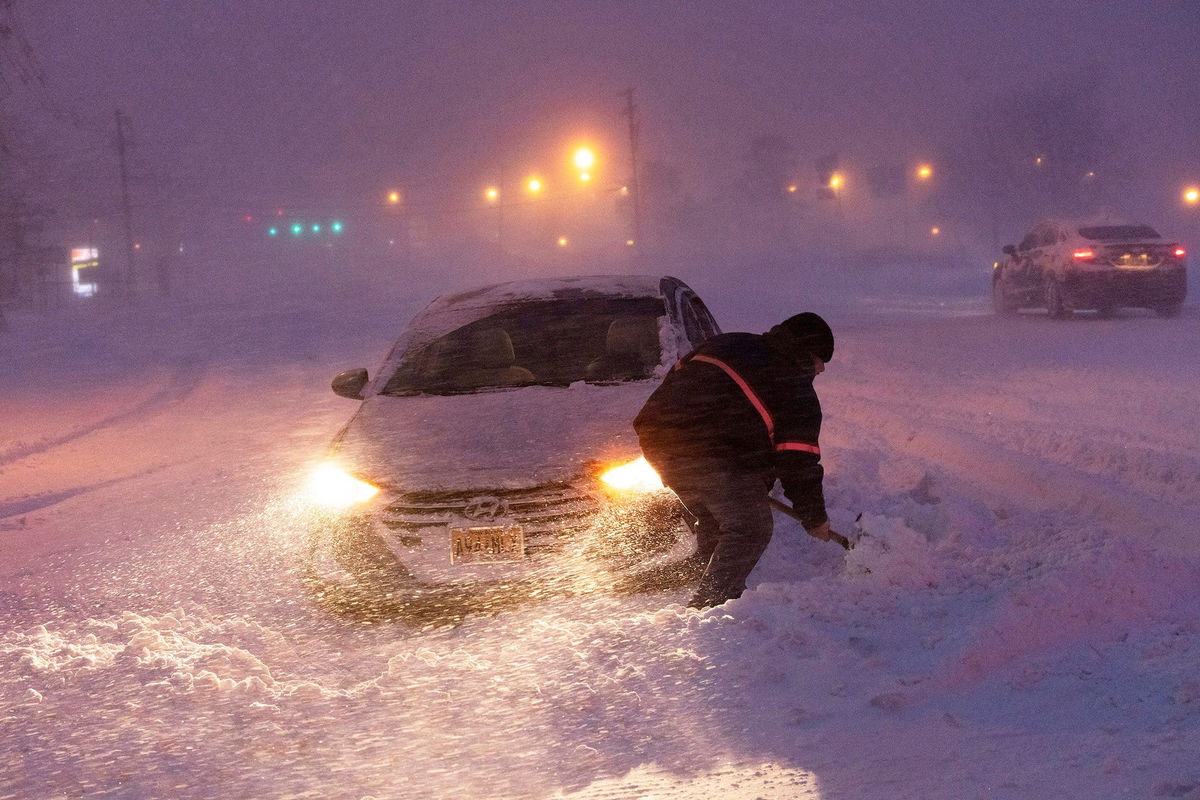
{"x": 1115, "y": 232}
{"x": 1031, "y": 240}
{"x": 1049, "y": 236}
{"x": 691, "y": 324}
{"x": 550, "y": 343}
{"x": 708, "y": 325}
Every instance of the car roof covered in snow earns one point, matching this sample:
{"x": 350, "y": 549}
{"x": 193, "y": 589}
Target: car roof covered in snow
{"x": 501, "y": 294}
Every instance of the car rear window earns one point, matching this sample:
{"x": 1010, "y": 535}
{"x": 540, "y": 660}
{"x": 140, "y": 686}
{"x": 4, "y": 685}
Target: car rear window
{"x": 1105, "y": 233}
{"x": 551, "y": 343}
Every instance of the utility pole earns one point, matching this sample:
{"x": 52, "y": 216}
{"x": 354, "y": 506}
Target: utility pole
{"x": 126, "y": 210}
{"x": 635, "y": 125}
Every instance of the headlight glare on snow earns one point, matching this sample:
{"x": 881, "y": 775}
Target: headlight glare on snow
{"x": 331, "y": 487}
{"x": 636, "y": 476}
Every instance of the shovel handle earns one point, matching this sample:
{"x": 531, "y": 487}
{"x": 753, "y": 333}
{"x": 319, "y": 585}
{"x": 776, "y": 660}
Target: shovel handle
{"x": 786, "y": 509}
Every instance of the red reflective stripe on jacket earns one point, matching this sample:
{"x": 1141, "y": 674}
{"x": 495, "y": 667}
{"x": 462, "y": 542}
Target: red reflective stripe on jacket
{"x": 807, "y": 448}
{"x": 746, "y": 390}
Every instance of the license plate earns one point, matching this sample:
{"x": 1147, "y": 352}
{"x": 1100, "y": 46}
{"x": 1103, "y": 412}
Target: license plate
{"x": 494, "y": 544}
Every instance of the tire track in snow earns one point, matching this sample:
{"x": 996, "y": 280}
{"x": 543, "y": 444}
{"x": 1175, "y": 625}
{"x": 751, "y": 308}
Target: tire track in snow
{"x": 10, "y": 507}
{"x": 183, "y": 381}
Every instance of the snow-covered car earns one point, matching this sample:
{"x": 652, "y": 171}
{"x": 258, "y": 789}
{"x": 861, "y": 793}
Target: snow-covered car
{"x": 494, "y": 446}
{"x": 1103, "y": 266}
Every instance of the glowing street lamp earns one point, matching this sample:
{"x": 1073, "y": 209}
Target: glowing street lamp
{"x": 491, "y": 194}
{"x": 562, "y": 241}
{"x": 585, "y": 176}
{"x": 534, "y": 185}
{"x": 1191, "y": 195}
{"x": 924, "y": 172}
{"x": 836, "y": 181}
{"x": 585, "y": 159}
{"x": 935, "y": 231}
{"x": 393, "y": 197}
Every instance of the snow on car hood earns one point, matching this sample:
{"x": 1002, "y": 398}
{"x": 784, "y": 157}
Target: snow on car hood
{"x": 499, "y": 439}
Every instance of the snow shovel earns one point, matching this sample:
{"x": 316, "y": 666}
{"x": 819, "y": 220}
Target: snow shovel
{"x": 786, "y": 509}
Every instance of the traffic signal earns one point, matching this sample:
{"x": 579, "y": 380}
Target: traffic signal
{"x": 299, "y": 228}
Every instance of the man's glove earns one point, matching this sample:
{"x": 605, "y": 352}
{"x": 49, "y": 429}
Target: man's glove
{"x": 827, "y": 534}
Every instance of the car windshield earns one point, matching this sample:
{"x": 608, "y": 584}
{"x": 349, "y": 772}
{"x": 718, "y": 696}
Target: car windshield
{"x": 548, "y": 343}
{"x": 1117, "y": 232}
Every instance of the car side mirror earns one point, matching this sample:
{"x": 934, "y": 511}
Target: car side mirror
{"x": 1008, "y": 250}
{"x": 350, "y": 383}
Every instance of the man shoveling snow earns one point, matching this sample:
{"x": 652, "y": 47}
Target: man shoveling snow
{"x": 732, "y": 417}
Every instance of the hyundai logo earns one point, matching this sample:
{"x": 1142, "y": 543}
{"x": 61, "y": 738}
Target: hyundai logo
{"x": 486, "y": 508}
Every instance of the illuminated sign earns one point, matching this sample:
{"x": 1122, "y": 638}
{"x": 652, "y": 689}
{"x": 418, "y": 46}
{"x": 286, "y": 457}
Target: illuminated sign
{"x": 83, "y": 258}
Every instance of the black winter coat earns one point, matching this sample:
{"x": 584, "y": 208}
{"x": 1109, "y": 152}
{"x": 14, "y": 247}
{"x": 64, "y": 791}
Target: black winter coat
{"x": 747, "y": 401}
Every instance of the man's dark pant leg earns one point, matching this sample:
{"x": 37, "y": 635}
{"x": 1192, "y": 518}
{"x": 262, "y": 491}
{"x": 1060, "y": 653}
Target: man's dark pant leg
{"x": 734, "y": 507}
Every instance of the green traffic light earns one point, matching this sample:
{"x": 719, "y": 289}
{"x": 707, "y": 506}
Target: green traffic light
{"x": 337, "y": 227}
{"x": 297, "y": 229}
{"x": 316, "y": 228}
{"x": 272, "y": 231}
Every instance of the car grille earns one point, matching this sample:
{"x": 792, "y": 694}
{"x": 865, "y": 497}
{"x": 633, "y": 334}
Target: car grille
{"x": 547, "y": 513}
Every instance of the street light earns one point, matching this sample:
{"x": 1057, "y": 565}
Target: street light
{"x": 562, "y": 241}
{"x": 1191, "y": 195}
{"x": 924, "y": 172}
{"x": 491, "y": 194}
{"x": 534, "y": 185}
{"x": 585, "y": 159}
{"x": 835, "y": 181}
{"x": 393, "y": 197}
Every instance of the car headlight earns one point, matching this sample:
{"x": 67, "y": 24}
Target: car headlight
{"x": 333, "y": 487}
{"x": 636, "y": 476}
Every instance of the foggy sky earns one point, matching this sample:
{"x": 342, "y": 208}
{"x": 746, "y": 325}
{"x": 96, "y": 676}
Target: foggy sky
{"x": 252, "y": 102}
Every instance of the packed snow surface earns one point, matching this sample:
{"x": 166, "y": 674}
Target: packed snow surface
{"x": 1020, "y": 618}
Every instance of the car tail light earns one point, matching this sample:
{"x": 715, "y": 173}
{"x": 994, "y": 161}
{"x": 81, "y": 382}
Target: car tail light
{"x": 1082, "y": 254}
{"x": 1179, "y": 252}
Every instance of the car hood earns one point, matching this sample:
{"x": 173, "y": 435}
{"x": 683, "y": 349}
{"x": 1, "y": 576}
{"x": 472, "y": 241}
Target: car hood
{"x": 499, "y": 439}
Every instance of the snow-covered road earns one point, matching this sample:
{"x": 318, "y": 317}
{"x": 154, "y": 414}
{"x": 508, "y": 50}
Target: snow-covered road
{"x": 1019, "y": 619}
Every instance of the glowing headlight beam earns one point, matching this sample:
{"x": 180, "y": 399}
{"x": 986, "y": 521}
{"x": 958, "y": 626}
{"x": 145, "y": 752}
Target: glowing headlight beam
{"x": 636, "y": 476}
{"x": 331, "y": 487}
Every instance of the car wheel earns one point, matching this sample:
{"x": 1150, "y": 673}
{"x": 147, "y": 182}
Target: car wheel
{"x": 1002, "y": 303}
{"x": 1055, "y": 303}
{"x": 1169, "y": 311}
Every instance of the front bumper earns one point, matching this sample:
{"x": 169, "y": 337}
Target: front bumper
{"x": 1152, "y": 288}
{"x": 563, "y": 526}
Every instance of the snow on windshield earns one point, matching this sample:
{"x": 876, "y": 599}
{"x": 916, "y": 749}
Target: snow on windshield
{"x": 551, "y": 343}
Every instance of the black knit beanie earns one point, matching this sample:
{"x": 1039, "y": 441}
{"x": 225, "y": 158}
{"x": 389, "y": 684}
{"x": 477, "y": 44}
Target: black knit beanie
{"x": 810, "y": 333}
